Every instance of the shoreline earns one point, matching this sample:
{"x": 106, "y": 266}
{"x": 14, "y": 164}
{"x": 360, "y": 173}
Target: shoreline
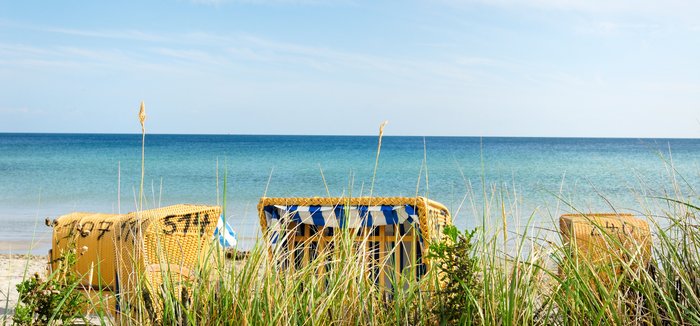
{"x": 36, "y": 247}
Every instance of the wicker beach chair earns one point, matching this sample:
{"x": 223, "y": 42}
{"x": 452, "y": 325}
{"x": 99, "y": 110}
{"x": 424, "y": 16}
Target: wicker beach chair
{"x": 92, "y": 237}
{"x": 139, "y": 254}
{"x": 604, "y": 240}
{"x": 158, "y": 250}
{"x": 395, "y": 230}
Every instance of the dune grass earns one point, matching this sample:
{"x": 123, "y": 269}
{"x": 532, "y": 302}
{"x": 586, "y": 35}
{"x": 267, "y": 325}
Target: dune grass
{"x": 531, "y": 279}
{"x": 493, "y": 275}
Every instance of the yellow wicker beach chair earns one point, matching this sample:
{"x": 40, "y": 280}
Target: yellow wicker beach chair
{"x": 92, "y": 236}
{"x": 159, "y": 249}
{"x": 606, "y": 239}
{"x": 395, "y": 230}
{"x": 140, "y": 253}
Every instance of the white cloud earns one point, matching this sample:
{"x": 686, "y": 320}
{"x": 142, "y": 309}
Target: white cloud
{"x": 209, "y": 50}
{"x": 91, "y": 54}
{"x": 596, "y": 6}
{"x": 7, "y": 49}
{"x": 110, "y": 34}
{"x": 611, "y": 28}
{"x": 19, "y": 111}
{"x": 64, "y": 57}
{"x": 13, "y": 110}
{"x": 605, "y": 27}
{"x": 671, "y": 87}
{"x": 191, "y": 55}
{"x": 126, "y": 34}
{"x": 477, "y": 61}
{"x": 676, "y": 12}
{"x": 273, "y": 2}
{"x": 604, "y": 17}
{"x": 327, "y": 59}
{"x": 208, "y": 2}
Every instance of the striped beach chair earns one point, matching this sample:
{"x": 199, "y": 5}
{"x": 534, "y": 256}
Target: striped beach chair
{"x": 395, "y": 231}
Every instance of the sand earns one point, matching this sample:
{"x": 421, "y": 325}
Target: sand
{"x": 13, "y": 269}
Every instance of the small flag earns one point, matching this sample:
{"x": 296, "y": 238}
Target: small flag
{"x": 227, "y": 236}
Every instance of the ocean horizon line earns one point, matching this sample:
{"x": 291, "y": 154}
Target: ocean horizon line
{"x": 346, "y": 135}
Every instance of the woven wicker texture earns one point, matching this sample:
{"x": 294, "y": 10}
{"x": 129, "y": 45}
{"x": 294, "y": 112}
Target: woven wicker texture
{"x": 103, "y": 300}
{"x": 432, "y": 218}
{"x": 162, "y": 242}
{"x": 93, "y": 236}
{"x": 605, "y": 238}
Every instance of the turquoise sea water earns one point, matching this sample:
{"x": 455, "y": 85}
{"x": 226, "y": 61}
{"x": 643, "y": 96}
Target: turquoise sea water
{"x": 46, "y": 175}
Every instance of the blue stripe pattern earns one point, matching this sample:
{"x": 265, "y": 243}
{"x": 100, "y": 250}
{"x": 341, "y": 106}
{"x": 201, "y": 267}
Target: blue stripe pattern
{"x": 341, "y": 215}
{"x": 411, "y": 211}
{"x": 316, "y": 215}
{"x": 390, "y": 215}
{"x": 365, "y": 216}
{"x": 294, "y": 211}
{"x": 271, "y": 212}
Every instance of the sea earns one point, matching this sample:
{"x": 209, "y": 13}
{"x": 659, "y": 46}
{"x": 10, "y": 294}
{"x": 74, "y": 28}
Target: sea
{"x": 532, "y": 180}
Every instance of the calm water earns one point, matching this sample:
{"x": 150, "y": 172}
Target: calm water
{"x": 52, "y": 174}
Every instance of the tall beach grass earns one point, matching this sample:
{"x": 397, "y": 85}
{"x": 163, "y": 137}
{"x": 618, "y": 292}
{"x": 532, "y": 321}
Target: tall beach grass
{"x": 515, "y": 275}
{"x": 524, "y": 276}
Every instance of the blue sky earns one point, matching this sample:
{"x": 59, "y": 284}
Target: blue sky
{"x": 594, "y": 68}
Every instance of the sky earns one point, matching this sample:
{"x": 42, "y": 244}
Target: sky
{"x": 552, "y": 68}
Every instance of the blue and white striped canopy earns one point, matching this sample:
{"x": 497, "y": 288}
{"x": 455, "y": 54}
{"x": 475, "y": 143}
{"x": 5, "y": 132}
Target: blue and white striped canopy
{"x": 340, "y": 215}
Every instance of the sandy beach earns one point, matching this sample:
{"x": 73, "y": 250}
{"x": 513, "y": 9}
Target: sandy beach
{"x": 14, "y": 268}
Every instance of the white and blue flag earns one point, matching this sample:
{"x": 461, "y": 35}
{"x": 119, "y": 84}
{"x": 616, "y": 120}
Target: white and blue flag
{"x": 227, "y": 236}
